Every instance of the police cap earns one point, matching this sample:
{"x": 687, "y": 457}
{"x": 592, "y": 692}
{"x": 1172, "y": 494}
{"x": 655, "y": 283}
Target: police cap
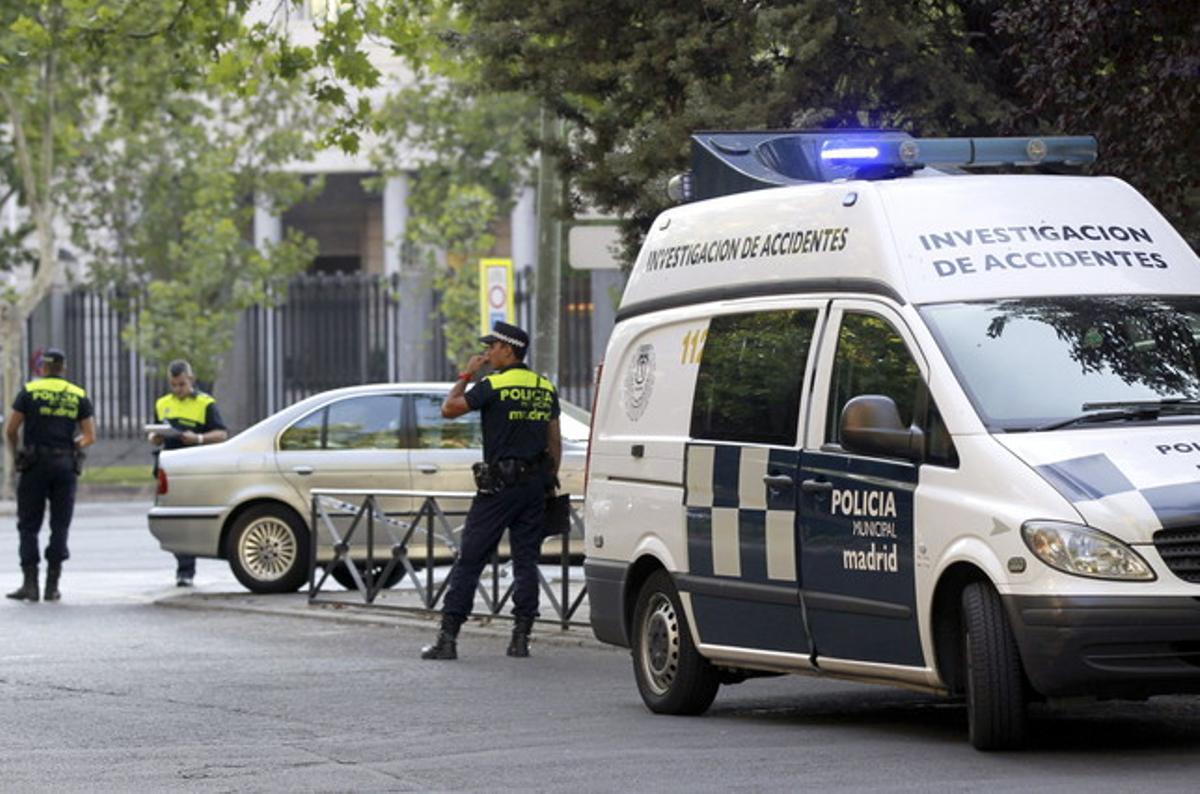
{"x": 507, "y": 333}
{"x": 53, "y": 355}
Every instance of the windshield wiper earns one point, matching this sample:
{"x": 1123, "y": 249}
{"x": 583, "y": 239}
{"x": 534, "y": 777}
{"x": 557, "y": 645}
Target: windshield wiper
{"x": 1126, "y": 411}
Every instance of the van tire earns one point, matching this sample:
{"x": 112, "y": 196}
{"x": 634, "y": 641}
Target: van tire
{"x": 994, "y": 682}
{"x": 672, "y": 677}
{"x": 268, "y": 549}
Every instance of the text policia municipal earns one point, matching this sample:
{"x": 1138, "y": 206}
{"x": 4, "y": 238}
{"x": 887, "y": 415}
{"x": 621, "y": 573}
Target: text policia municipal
{"x": 1077, "y": 256}
{"x": 797, "y": 241}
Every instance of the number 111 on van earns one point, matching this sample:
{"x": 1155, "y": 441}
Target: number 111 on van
{"x": 693, "y": 346}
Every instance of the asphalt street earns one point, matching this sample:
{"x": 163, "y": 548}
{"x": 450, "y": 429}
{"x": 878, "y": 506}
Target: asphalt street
{"x": 117, "y": 688}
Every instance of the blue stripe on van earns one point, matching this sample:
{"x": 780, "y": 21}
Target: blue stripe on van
{"x": 752, "y": 544}
{"x": 1177, "y": 506}
{"x": 699, "y": 540}
{"x": 726, "y": 464}
{"x": 1087, "y": 478}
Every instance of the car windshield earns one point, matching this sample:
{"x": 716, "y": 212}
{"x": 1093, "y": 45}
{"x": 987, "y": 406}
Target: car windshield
{"x": 1033, "y": 364}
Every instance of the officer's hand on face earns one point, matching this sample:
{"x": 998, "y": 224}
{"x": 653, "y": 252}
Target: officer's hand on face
{"x": 476, "y": 363}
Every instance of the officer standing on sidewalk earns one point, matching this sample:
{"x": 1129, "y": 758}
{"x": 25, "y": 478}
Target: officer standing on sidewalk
{"x": 56, "y": 416}
{"x": 522, "y": 447}
{"x": 194, "y": 415}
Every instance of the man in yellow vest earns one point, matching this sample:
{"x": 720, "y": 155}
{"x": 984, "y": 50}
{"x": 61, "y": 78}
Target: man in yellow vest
{"x": 56, "y": 417}
{"x": 196, "y": 420}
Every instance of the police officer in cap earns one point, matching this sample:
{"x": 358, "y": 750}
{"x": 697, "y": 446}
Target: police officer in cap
{"x": 56, "y": 417}
{"x": 522, "y": 447}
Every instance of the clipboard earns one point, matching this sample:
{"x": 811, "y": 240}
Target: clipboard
{"x": 163, "y": 429}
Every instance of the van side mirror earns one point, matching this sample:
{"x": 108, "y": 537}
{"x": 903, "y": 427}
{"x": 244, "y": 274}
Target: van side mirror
{"x": 871, "y": 426}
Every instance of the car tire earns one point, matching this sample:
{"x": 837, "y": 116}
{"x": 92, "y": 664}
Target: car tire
{"x": 994, "y": 682}
{"x": 268, "y": 549}
{"x": 340, "y": 574}
{"x": 672, "y": 677}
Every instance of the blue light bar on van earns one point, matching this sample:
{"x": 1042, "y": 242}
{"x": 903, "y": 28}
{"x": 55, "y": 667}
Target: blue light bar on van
{"x": 733, "y": 162}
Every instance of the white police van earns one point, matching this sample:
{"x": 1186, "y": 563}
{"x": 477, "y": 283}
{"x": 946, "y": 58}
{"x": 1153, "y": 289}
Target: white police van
{"x": 890, "y": 422}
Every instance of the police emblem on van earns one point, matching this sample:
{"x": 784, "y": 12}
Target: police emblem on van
{"x": 639, "y": 382}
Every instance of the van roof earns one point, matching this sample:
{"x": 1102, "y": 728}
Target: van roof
{"x": 918, "y": 240}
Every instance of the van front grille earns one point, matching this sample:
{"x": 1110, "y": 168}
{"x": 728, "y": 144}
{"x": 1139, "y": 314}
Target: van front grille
{"x": 1180, "y": 550}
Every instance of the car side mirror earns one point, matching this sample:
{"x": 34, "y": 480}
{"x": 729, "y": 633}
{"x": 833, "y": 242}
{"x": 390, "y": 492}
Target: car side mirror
{"x": 871, "y": 426}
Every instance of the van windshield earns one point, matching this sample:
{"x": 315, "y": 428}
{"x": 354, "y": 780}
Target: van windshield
{"x": 1035, "y": 363}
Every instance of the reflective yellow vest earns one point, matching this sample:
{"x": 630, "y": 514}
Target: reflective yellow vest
{"x": 185, "y": 414}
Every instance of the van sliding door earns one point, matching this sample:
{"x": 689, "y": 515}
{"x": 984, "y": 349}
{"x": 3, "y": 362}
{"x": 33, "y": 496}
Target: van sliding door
{"x": 743, "y": 577}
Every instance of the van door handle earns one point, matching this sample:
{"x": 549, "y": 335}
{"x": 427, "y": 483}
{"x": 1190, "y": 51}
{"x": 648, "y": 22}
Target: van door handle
{"x": 427, "y": 468}
{"x": 304, "y": 471}
{"x": 778, "y": 481}
{"x": 816, "y": 486}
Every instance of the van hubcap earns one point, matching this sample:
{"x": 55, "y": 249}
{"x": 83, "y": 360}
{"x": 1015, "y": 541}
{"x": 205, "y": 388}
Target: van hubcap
{"x": 660, "y": 644}
{"x": 268, "y": 548}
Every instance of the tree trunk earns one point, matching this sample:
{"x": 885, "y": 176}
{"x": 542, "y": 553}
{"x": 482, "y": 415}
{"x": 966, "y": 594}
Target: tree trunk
{"x": 12, "y": 332}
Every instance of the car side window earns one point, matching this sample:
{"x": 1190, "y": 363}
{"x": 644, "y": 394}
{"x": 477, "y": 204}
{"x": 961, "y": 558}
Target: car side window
{"x": 367, "y": 422}
{"x": 305, "y": 434}
{"x": 436, "y": 432}
{"x": 751, "y": 375}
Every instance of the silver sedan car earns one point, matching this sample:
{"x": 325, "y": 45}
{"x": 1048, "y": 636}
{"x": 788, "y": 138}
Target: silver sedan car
{"x": 248, "y": 499}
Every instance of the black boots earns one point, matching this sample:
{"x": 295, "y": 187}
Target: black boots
{"x": 29, "y": 590}
{"x": 52, "y": 574}
{"x": 446, "y": 645}
{"x": 519, "y": 645}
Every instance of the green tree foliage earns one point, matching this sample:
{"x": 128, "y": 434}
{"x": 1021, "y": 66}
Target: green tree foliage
{"x": 64, "y": 64}
{"x": 636, "y": 79}
{"x": 1126, "y": 71}
{"x": 165, "y": 199}
{"x": 474, "y": 153}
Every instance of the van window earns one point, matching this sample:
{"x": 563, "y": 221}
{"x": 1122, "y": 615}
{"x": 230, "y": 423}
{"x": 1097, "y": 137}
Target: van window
{"x": 871, "y": 358}
{"x": 750, "y": 377}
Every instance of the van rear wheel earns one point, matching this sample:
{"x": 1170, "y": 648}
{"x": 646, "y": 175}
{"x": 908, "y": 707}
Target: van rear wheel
{"x": 995, "y": 684}
{"x": 672, "y": 677}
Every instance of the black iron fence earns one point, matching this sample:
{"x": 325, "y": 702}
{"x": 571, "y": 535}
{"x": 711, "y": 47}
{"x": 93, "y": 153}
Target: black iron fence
{"x": 412, "y": 540}
{"x": 331, "y": 330}
{"x": 122, "y": 387}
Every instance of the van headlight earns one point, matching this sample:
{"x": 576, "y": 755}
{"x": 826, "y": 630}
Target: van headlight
{"x": 1083, "y": 551}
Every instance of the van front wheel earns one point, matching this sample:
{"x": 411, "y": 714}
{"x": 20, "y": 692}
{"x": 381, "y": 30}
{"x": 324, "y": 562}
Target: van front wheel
{"x": 672, "y": 676}
{"x": 995, "y": 685}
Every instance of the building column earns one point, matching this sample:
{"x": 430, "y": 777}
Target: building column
{"x": 407, "y": 360}
{"x": 247, "y": 388}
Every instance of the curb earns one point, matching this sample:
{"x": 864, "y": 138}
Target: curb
{"x": 546, "y": 633}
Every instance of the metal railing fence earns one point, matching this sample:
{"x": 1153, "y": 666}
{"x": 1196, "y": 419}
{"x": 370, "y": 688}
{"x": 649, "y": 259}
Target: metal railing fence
{"x": 402, "y": 530}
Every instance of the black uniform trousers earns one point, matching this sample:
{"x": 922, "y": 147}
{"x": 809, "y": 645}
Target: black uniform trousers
{"x": 51, "y": 478}
{"x": 520, "y": 509}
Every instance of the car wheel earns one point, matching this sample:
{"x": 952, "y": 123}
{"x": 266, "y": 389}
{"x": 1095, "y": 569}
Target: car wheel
{"x": 995, "y": 684}
{"x": 672, "y": 676}
{"x": 342, "y": 576}
{"x": 268, "y": 550}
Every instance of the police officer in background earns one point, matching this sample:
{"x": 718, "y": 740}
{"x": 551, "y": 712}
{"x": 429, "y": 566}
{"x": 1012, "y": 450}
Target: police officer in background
{"x": 195, "y": 416}
{"x": 56, "y": 417}
{"x": 522, "y": 447}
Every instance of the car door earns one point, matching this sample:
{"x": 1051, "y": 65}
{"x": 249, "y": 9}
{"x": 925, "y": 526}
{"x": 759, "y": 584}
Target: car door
{"x": 349, "y": 443}
{"x": 741, "y": 468}
{"x": 441, "y": 451}
{"x": 856, "y": 511}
